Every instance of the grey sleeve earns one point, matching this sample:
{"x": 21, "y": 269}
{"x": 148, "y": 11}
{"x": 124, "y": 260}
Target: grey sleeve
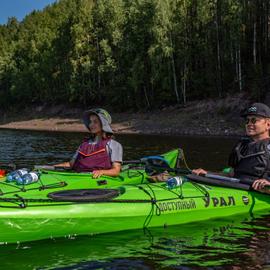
{"x": 116, "y": 151}
{"x": 74, "y": 157}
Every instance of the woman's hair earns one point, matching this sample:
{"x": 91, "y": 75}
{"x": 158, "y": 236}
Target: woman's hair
{"x": 105, "y": 135}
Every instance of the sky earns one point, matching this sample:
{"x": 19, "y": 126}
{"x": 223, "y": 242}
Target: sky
{"x": 20, "y": 8}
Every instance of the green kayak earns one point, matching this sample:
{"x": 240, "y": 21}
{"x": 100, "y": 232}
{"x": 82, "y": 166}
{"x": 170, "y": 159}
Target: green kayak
{"x": 41, "y": 212}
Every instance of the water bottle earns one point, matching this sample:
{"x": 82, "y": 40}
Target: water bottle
{"x": 28, "y": 178}
{"x": 174, "y": 182}
{"x": 16, "y": 175}
{"x": 9, "y": 177}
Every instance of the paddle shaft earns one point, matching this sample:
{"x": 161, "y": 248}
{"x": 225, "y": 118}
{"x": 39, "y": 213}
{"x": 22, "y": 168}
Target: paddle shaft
{"x": 9, "y": 167}
{"x": 135, "y": 161}
{"x": 212, "y": 176}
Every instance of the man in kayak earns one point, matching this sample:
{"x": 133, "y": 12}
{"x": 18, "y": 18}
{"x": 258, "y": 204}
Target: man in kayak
{"x": 250, "y": 158}
{"x": 99, "y": 153}
{"x": 262, "y": 185}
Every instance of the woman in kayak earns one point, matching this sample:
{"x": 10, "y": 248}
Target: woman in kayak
{"x": 99, "y": 153}
{"x": 250, "y": 158}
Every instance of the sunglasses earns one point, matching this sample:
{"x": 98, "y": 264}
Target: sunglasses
{"x": 252, "y": 120}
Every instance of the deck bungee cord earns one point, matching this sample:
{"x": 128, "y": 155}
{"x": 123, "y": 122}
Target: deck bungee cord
{"x": 23, "y": 188}
{"x": 154, "y": 206}
{"x": 90, "y": 195}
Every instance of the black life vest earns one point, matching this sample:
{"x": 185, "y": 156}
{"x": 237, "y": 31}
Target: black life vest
{"x": 251, "y": 160}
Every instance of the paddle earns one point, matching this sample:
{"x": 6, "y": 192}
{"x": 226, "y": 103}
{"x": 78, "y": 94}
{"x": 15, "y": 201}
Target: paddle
{"x": 154, "y": 166}
{"x": 7, "y": 168}
{"x": 157, "y": 164}
{"x": 160, "y": 165}
{"x": 51, "y": 168}
{"x": 143, "y": 161}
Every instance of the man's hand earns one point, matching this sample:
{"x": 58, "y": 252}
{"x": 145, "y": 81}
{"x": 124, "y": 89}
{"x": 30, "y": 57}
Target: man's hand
{"x": 260, "y": 185}
{"x": 199, "y": 171}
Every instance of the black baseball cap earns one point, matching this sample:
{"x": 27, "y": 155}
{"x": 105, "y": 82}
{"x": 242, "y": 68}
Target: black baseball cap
{"x": 258, "y": 109}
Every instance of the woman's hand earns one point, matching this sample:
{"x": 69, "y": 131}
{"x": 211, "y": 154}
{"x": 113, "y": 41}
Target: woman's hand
{"x": 199, "y": 171}
{"x": 260, "y": 185}
{"x": 114, "y": 171}
{"x": 98, "y": 173}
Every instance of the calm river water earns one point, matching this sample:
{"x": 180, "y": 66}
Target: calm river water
{"x": 235, "y": 243}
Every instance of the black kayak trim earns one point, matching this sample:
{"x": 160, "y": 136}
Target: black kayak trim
{"x": 215, "y": 182}
{"x": 84, "y": 195}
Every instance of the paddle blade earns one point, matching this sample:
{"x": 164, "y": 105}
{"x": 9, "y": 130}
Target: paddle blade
{"x": 9, "y": 167}
{"x": 155, "y": 165}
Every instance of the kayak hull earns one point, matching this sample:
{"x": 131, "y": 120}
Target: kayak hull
{"x": 137, "y": 207}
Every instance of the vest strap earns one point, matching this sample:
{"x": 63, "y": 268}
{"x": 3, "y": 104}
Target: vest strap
{"x": 92, "y": 154}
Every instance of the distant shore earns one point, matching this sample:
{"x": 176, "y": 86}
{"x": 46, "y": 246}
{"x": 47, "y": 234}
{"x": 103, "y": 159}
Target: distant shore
{"x": 213, "y": 117}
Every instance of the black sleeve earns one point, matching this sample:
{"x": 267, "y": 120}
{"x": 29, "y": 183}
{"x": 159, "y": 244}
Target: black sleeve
{"x": 267, "y": 173}
{"x": 238, "y": 147}
{"x": 233, "y": 157}
{"x": 232, "y": 161}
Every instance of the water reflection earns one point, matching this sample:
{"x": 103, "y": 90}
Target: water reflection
{"x": 232, "y": 243}
{"x": 26, "y": 148}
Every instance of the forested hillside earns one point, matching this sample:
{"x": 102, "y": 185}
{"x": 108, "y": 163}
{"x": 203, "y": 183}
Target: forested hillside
{"x": 135, "y": 54}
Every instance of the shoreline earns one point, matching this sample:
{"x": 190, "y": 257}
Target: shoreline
{"x": 219, "y": 117}
{"x": 159, "y": 133}
{"x": 138, "y": 126}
